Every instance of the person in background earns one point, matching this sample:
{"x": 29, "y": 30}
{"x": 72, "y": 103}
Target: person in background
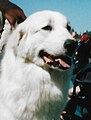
{"x": 82, "y": 54}
{"x": 80, "y": 61}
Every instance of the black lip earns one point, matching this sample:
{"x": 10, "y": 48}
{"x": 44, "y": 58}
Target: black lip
{"x": 42, "y": 53}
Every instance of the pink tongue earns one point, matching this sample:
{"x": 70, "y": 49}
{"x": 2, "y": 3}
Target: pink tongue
{"x": 47, "y": 59}
{"x": 61, "y": 62}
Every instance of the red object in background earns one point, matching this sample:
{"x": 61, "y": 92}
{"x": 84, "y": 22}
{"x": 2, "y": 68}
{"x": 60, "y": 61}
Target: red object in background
{"x": 84, "y": 37}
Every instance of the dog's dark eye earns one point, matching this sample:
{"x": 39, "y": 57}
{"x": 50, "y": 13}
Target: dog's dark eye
{"x": 68, "y": 27}
{"x": 48, "y": 27}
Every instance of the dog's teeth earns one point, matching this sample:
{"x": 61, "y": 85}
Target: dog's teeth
{"x": 56, "y": 67}
{"x": 52, "y": 66}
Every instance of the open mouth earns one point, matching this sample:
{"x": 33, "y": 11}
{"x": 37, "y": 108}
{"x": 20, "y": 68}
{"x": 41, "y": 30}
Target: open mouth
{"x": 58, "y": 62}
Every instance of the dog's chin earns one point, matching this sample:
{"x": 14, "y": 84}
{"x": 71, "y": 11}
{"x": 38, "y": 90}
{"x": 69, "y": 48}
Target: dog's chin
{"x": 62, "y": 62}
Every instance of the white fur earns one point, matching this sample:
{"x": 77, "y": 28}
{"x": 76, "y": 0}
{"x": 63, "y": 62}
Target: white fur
{"x": 7, "y": 30}
{"x": 29, "y": 88}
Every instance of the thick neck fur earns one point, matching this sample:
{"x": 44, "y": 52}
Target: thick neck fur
{"x": 30, "y": 88}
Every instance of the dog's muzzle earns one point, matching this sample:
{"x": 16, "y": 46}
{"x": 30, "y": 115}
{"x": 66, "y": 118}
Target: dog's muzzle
{"x": 57, "y": 62}
{"x": 63, "y": 61}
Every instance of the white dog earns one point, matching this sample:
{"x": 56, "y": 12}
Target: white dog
{"x": 35, "y": 68}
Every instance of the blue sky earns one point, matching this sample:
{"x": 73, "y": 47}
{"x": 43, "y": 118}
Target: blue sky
{"x": 78, "y": 12}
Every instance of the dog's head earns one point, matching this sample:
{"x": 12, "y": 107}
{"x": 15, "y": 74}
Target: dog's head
{"x": 44, "y": 39}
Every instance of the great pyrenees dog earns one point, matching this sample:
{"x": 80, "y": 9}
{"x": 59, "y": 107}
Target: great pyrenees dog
{"x": 35, "y": 68}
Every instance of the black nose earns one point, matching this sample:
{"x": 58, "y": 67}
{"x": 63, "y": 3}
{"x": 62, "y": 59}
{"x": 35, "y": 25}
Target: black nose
{"x": 70, "y": 46}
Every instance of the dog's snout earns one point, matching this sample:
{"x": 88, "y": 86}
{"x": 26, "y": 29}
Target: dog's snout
{"x": 70, "y": 46}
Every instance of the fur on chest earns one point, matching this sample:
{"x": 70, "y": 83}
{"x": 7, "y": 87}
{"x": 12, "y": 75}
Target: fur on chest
{"x": 32, "y": 92}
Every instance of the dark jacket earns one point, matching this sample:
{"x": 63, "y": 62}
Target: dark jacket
{"x": 82, "y": 55}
